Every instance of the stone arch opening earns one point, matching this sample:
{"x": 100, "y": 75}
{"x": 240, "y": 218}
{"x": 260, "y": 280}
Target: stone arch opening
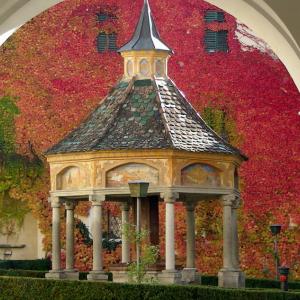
{"x": 260, "y": 17}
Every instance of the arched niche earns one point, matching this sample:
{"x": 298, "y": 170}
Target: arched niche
{"x": 144, "y": 67}
{"x": 199, "y": 174}
{"x": 159, "y": 67}
{"x": 119, "y": 176}
{"x": 71, "y": 178}
{"x": 129, "y": 67}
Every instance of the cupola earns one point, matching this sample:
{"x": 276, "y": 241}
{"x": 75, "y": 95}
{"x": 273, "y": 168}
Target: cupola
{"x": 145, "y": 55}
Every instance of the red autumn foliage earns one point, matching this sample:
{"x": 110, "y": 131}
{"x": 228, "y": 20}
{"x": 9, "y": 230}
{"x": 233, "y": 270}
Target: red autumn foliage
{"x": 53, "y": 66}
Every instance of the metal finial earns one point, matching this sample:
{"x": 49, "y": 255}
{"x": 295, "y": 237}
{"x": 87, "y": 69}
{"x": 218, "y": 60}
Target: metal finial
{"x": 146, "y": 36}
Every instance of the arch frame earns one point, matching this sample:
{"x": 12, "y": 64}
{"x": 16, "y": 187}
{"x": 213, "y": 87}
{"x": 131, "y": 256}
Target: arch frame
{"x": 60, "y": 173}
{"x": 142, "y": 164}
{"x": 256, "y": 14}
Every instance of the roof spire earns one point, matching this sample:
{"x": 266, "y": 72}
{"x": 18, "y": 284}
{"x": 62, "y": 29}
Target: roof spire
{"x": 146, "y": 36}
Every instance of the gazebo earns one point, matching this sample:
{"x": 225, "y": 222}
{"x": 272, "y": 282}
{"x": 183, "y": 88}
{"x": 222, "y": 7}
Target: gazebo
{"x": 145, "y": 129}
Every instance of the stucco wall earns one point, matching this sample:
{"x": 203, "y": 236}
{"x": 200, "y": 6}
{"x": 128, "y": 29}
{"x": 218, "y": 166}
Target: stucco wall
{"x": 27, "y": 235}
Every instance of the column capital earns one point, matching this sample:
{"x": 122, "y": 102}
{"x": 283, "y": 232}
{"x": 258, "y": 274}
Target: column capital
{"x": 237, "y": 203}
{"x": 228, "y": 200}
{"x": 169, "y": 196}
{"x": 97, "y": 200}
{"x": 55, "y": 202}
{"x": 70, "y": 204}
{"x": 190, "y": 205}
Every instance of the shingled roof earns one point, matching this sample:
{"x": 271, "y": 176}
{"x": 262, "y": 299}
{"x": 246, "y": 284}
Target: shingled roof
{"x": 144, "y": 114}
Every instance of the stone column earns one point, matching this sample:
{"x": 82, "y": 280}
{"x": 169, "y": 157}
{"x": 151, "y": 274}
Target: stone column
{"x": 235, "y": 236}
{"x": 71, "y": 273}
{"x": 229, "y": 275}
{"x": 170, "y": 275}
{"x": 189, "y": 273}
{"x": 170, "y": 236}
{"x": 227, "y": 232}
{"x": 56, "y": 271}
{"x": 97, "y": 273}
{"x": 138, "y": 230}
{"x": 190, "y": 235}
{"x": 125, "y": 240}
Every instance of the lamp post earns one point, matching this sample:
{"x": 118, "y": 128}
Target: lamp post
{"x": 275, "y": 230}
{"x": 138, "y": 190}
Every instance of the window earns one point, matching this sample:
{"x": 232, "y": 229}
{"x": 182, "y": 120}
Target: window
{"x": 216, "y": 41}
{"x": 107, "y": 42}
{"x": 129, "y": 68}
{"x": 112, "y": 42}
{"x": 101, "y": 42}
{"x": 159, "y": 67}
{"x": 144, "y": 67}
{"x": 214, "y": 16}
{"x": 104, "y": 16}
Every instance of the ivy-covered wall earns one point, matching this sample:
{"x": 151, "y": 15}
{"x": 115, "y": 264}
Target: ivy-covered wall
{"x": 52, "y": 65}
{"x": 16, "y": 171}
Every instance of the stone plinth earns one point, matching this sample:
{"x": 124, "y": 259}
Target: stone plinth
{"x": 231, "y": 279}
{"x": 120, "y": 276}
{"x": 71, "y": 274}
{"x": 190, "y": 275}
{"x": 97, "y": 276}
{"x": 169, "y": 277}
{"x": 55, "y": 275}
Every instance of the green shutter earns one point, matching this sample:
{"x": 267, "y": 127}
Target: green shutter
{"x": 102, "y": 16}
{"x": 112, "y": 42}
{"x": 214, "y": 16}
{"x": 102, "y": 42}
{"x": 222, "y": 41}
{"x": 216, "y": 41}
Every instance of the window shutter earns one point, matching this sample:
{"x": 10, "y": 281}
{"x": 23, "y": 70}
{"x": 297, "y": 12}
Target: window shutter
{"x": 102, "y": 16}
{"x": 216, "y": 41}
{"x": 102, "y": 42}
{"x": 112, "y": 42}
{"x": 222, "y": 42}
{"x": 214, "y": 16}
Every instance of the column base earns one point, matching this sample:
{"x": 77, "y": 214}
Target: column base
{"x": 97, "y": 276}
{"x": 55, "y": 274}
{"x": 169, "y": 277}
{"x": 231, "y": 278}
{"x": 120, "y": 276}
{"x": 190, "y": 275}
{"x": 72, "y": 274}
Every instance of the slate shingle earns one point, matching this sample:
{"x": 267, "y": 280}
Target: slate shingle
{"x": 145, "y": 114}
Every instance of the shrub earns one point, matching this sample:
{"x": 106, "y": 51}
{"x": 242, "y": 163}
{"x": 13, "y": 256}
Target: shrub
{"x": 252, "y": 283}
{"x": 267, "y": 283}
{"x": 209, "y": 280}
{"x": 22, "y": 273}
{"x": 37, "y": 264}
{"x": 39, "y": 274}
{"x": 28, "y": 288}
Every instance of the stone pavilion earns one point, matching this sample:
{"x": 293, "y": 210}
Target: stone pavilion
{"x": 145, "y": 129}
